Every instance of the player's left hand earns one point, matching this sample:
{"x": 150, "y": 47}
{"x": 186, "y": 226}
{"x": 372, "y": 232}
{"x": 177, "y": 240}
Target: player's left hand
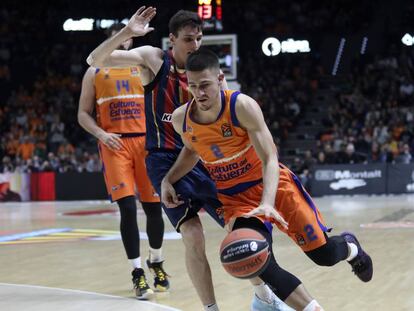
{"x": 268, "y": 211}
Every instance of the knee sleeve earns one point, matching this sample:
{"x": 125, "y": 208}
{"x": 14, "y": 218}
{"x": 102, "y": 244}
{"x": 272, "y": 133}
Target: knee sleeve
{"x": 282, "y": 282}
{"x": 128, "y": 226}
{"x": 155, "y": 224}
{"x": 334, "y": 251}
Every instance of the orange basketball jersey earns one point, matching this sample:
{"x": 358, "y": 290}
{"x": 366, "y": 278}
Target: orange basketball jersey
{"x": 234, "y": 166}
{"x": 120, "y": 100}
{"x": 225, "y": 148}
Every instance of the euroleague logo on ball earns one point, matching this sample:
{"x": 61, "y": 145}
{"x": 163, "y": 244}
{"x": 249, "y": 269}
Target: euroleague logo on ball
{"x": 244, "y": 253}
{"x": 253, "y": 246}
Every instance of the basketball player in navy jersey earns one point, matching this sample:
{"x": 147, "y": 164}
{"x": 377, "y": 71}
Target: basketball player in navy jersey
{"x": 165, "y": 83}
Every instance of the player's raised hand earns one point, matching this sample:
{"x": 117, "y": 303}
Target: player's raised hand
{"x": 269, "y": 212}
{"x": 139, "y": 22}
{"x": 168, "y": 195}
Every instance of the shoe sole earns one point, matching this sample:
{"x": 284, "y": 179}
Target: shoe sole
{"x": 147, "y": 296}
{"x": 161, "y": 289}
{"x": 372, "y": 269}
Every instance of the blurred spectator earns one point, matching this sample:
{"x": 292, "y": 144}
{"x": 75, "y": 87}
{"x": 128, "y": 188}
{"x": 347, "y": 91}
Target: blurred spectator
{"x": 66, "y": 149}
{"x": 56, "y": 133}
{"x": 26, "y": 148}
{"x": 6, "y": 165}
{"x": 321, "y": 158}
{"x": 404, "y": 156}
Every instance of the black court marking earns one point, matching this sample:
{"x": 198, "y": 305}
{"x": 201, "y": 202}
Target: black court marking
{"x": 398, "y": 215}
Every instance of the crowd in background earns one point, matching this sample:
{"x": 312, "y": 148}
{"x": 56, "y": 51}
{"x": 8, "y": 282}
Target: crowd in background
{"x": 370, "y": 120}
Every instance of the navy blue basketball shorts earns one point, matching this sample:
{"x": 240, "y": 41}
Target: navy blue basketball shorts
{"x": 196, "y": 189}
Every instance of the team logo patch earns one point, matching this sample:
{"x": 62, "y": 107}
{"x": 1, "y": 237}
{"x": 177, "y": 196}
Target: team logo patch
{"x": 134, "y": 71}
{"x": 117, "y": 187}
{"x": 106, "y": 71}
{"x": 226, "y": 130}
{"x": 299, "y": 238}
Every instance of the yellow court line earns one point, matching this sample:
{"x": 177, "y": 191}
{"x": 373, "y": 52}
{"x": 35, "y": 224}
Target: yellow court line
{"x": 96, "y": 231}
{"x": 74, "y": 234}
{"x": 50, "y": 238}
{"x": 24, "y": 242}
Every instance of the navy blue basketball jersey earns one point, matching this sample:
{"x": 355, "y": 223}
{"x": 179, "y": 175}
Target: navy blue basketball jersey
{"x": 163, "y": 95}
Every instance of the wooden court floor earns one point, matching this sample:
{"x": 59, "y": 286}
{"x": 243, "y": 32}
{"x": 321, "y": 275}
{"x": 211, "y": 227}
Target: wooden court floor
{"x": 69, "y": 256}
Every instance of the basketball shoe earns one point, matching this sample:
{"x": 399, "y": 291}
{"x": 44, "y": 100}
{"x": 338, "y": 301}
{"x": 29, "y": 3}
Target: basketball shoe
{"x": 161, "y": 282}
{"x": 362, "y": 263}
{"x": 142, "y": 289}
{"x": 275, "y": 304}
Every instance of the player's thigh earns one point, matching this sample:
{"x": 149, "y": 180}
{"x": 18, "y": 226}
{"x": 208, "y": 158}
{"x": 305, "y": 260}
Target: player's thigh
{"x": 306, "y": 227}
{"x": 146, "y": 191}
{"x": 118, "y": 172}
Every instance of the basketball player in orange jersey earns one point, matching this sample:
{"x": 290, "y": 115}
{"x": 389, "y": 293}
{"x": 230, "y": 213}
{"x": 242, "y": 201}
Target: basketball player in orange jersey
{"x": 165, "y": 83}
{"x": 227, "y": 132}
{"x": 118, "y": 96}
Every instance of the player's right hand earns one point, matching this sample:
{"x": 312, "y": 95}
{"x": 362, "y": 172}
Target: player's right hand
{"x": 111, "y": 140}
{"x": 168, "y": 195}
{"x": 139, "y": 22}
{"x": 268, "y": 211}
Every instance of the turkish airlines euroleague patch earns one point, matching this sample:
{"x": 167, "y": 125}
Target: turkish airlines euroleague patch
{"x": 226, "y": 130}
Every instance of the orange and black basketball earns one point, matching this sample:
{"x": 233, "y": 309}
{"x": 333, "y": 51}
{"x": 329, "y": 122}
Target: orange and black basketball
{"x": 244, "y": 253}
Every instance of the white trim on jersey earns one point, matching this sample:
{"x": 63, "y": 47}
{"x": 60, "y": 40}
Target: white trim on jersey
{"x": 101, "y": 100}
{"x": 238, "y": 154}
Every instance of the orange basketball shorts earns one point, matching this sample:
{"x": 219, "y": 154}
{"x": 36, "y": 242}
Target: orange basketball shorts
{"x": 125, "y": 172}
{"x": 306, "y": 226}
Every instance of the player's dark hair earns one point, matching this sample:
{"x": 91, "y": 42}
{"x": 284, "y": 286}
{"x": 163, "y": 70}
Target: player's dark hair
{"x": 202, "y": 59}
{"x": 182, "y": 19}
{"x": 114, "y": 27}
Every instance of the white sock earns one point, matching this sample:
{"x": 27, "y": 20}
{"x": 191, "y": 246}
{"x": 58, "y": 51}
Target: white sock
{"x": 136, "y": 262}
{"x": 313, "y": 306}
{"x": 263, "y": 292}
{"x": 212, "y": 307}
{"x": 155, "y": 255}
{"x": 353, "y": 251}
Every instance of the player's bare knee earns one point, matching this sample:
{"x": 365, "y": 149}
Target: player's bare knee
{"x": 193, "y": 235}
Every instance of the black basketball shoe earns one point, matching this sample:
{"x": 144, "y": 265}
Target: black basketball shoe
{"x": 142, "y": 289}
{"x": 161, "y": 282}
{"x": 362, "y": 263}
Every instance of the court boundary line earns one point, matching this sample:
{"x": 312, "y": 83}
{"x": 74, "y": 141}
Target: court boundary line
{"x": 167, "y": 308}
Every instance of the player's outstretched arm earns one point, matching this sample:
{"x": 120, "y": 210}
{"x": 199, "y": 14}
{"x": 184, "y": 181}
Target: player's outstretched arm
{"x": 106, "y": 55}
{"x": 251, "y": 118}
{"x": 185, "y": 162}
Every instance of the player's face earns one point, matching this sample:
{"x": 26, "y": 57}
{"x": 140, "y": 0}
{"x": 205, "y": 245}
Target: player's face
{"x": 205, "y": 87}
{"x": 187, "y": 41}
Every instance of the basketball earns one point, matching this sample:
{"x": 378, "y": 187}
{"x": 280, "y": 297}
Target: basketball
{"x": 244, "y": 253}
